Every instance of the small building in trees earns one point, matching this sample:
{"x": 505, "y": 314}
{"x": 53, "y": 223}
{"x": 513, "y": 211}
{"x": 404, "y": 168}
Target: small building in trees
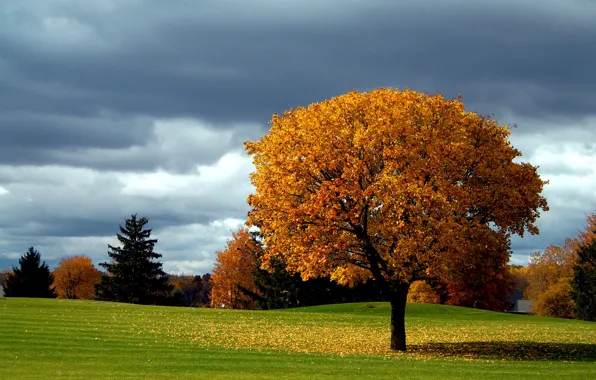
{"x": 522, "y": 307}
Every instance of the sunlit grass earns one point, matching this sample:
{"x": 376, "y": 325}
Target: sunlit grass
{"x": 53, "y": 333}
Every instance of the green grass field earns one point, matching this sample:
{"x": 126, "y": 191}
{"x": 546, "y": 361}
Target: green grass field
{"x": 62, "y": 339}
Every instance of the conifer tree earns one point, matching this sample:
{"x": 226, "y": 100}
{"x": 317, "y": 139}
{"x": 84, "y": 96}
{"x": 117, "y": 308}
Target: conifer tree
{"x": 31, "y": 279}
{"x": 133, "y": 275}
{"x": 584, "y": 282}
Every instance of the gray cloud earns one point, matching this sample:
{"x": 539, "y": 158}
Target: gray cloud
{"x": 43, "y": 133}
{"x": 216, "y": 61}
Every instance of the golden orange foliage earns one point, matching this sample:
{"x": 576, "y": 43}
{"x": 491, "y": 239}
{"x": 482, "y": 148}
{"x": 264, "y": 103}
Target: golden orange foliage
{"x": 519, "y": 275}
{"x": 550, "y": 273}
{"x": 233, "y": 271}
{"x": 180, "y": 282}
{"x": 389, "y": 181}
{"x": 395, "y": 185}
{"x": 361, "y": 330}
{"x": 75, "y": 277}
{"x": 555, "y": 301}
{"x": 588, "y": 234}
{"x": 422, "y": 292}
{"x": 550, "y": 267}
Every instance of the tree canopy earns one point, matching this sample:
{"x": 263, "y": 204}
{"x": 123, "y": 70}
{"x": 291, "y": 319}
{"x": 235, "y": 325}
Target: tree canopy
{"x": 31, "y": 279}
{"x": 547, "y": 268}
{"x": 393, "y": 185}
{"x": 233, "y": 272}
{"x": 75, "y": 278}
{"x": 134, "y": 275}
{"x": 189, "y": 290}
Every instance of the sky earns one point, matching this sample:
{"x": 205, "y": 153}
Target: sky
{"x": 115, "y": 107}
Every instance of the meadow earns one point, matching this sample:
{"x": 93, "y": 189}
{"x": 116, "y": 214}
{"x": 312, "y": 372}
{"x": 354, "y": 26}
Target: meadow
{"x": 67, "y": 339}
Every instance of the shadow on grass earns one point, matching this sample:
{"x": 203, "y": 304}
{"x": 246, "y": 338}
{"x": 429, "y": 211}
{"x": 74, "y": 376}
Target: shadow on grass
{"x": 510, "y": 350}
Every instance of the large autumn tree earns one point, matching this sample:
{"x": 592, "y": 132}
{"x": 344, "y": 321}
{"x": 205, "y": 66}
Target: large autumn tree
{"x": 395, "y": 185}
{"x": 233, "y": 272}
{"x": 75, "y": 278}
{"x": 134, "y": 274}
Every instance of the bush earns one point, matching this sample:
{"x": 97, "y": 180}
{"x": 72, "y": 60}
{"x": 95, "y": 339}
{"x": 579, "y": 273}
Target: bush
{"x": 421, "y": 292}
{"x": 556, "y": 301}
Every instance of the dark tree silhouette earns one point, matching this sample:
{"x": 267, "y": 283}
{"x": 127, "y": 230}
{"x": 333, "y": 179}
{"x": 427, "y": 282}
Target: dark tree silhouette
{"x": 133, "y": 275}
{"x": 584, "y": 282}
{"x": 191, "y": 290}
{"x": 279, "y": 289}
{"x": 31, "y": 279}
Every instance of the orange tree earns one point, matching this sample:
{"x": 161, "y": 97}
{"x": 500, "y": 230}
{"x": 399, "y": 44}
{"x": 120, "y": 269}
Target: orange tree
{"x": 550, "y": 267}
{"x": 394, "y": 185}
{"x": 550, "y": 273}
{"x": 481, "y": 277}
{"x": 588, "y": 234}
{"x": 232, "y": 278}
{"x": 421, "y": 292}
{"x": 75, "y": 277}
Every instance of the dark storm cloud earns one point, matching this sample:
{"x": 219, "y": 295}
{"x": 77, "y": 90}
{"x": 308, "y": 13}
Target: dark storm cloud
{"x": 241, "y": 61}
{"x": 63, "y": 132}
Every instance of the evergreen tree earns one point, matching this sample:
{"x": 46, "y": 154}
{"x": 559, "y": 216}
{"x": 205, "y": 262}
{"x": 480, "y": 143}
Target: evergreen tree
{"x": 584, "y": 282}
{"x": 31, "y": 279}
{"x": 204, "y": 296}
{"x": 133, "y": 274}
{"x": 275, "y": 289}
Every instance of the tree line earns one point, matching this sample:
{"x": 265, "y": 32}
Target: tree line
{"x": 561, "y": 281}
{"x": 133, "y": 275}
{"x": 241, "y": 282}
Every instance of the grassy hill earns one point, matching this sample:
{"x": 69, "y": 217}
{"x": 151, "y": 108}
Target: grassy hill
{"x": 49, "y": 339}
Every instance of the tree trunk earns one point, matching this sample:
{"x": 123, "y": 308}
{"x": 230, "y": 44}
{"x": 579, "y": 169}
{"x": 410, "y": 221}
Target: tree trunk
{"x": 398, "y": 311}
